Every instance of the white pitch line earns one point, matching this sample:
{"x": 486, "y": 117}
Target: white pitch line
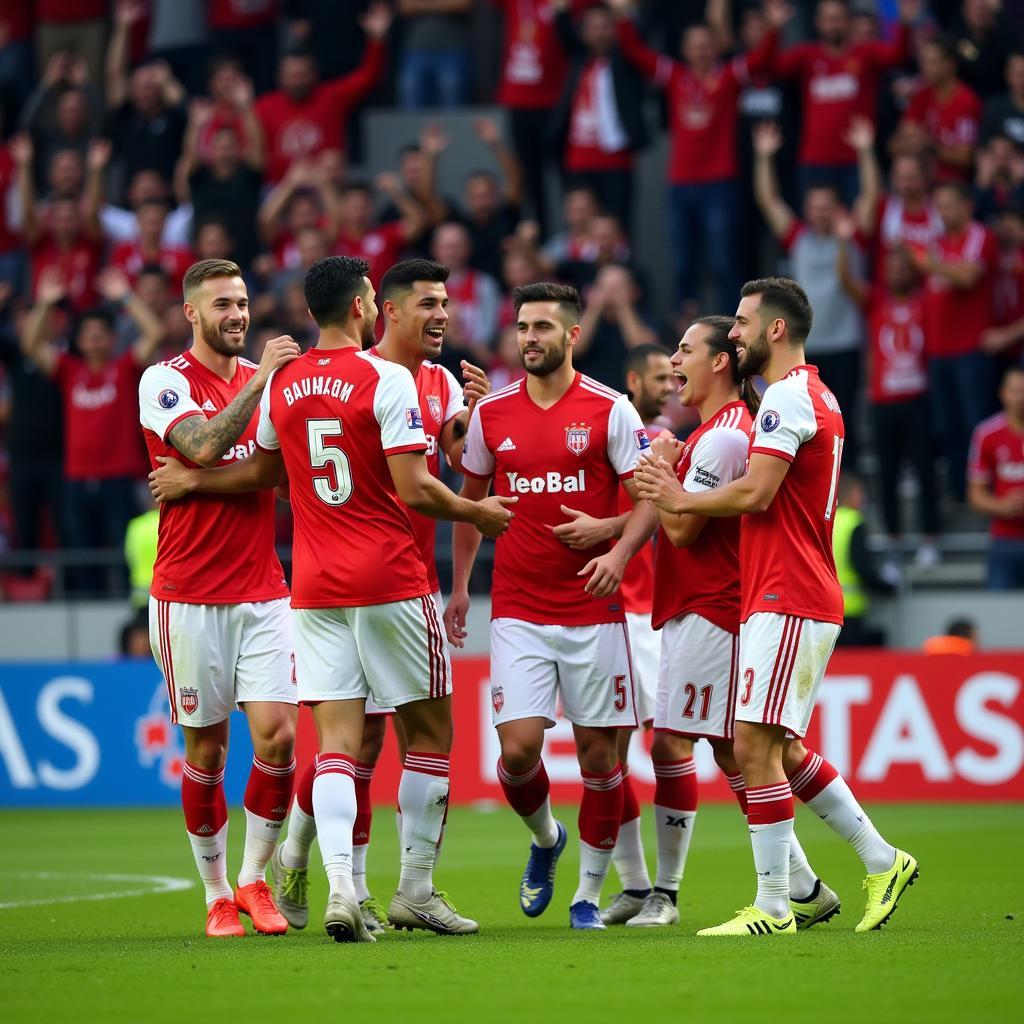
{"x": 154, "y": 885}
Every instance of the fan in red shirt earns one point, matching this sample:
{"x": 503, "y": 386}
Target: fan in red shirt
{"x": 791, "y": 608}
{"x": 303, "y": 199}
{"x": 305, "y": 116}
{"x": 1006, "y": 338}
{"x": 149, "y": 250}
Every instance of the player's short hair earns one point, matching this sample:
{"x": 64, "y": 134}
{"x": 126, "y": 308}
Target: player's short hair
{"x": 636, "y": 358}
{"x": 565, "y": 295}
{"x": 785, "y": 299}
{"x": 718, "y": 341}
{"x": 207, "y": 270}
{"x": 402, "y": 276}
{"x": 330, "y": 286}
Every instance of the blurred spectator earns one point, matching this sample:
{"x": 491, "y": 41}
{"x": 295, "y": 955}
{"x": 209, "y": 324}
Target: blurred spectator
{"x": 133, "y": 641}
{"x": 958, "y": 310}
{"x": 149, "y": 250}
{"x": 72, "y": 26}
{"x": 247, "y": 29}
{"x": 598, "y": 124}
{"x": 1004, "y": 114}
{"x": 306, "y": 116}
{"x": 983, "y": 39}
{"x": 960, "y": 638}
{"x": 177, "y": 33}
{"x": 941, "y": 123}
{"x": 997, "y": 483}
{"x": 605, "y": 244}
{"x": 436, "y": 64}
{"x": 140, "y": 539}
{"x": 302, "y": 199}
{"x": 13, "y": 265}
{"x": 1004, "y": 340}
{"x": 122, "y": 225}
{"x": 999, "y": 182}
{"x": 417, "y": 172}
{"x": 16, "y": 61}
{"x": 836, "y": 340}
{"x": 214, "y": 240}
{"x": 579, "y": 209}
{"x": 229, "y": 106}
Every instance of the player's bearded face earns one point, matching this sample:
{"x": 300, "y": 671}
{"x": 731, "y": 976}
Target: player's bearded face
{"x": 542, "y": 355}
{"x": 753, "y": 355}
{"x": 226, "y": 335}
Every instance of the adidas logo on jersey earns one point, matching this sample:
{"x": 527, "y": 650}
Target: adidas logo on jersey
{"x": 508, "y": 445}
{"x": 553, "y": 483}
{"x": 208, "y": 406}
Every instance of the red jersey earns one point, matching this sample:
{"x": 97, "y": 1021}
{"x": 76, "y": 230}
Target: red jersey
{"x": 9, "y": 237}
{"x": 836, "y": 88}
{"x": 440, "y": 399}
{"x": 997, "y": 461}
{"x": 173, "y": 260}
{"x": 704, "y": 578}
{"x": 596, "y": 141}
{"x": 786, "y": 563}
{"x": 71, "y": 10}
{"x": 950, "y": 121}
{"x": 381, "y": 247}
{"x": 638, "y": 580}
{"x": 702, "y": 111}
{"x": 1008, "y": 298}
{"x": 956, "y": 317}
{"x": 212, "y": 548}
{"x": 914, "y": 229}
{"x": 78, "y": 267}
{"x": 899, "y": 368}
{"x": 296, "y": 130}
{"x": 336, "y": 415}
{"x": 100, "y": 438}
{"x": 573, "y": 453}
{"x": 16, "y": 19}
{"x": 232, "y": 14}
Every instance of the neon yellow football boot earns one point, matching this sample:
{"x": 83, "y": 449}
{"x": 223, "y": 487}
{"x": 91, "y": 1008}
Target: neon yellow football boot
{"x": 752, "y": 921}
{"x": 885, "y": 890}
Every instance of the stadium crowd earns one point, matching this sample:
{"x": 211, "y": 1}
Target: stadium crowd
{"x": 874, "y": 150}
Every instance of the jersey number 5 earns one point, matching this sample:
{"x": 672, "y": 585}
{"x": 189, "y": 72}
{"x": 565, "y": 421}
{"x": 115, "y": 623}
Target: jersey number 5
{"x": 322, "y": 455}
{"x": 620, "y": 692}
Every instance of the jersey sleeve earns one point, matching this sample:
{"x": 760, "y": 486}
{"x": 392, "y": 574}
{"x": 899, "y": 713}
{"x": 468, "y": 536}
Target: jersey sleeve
{"x": 455, "y": 404}
{"x": 477, "y": 458}
{"x": 979, "y": 462}
{"x": 165, "y": 399}
{"x": 266, "y": 432}
{"x": 627, "y": 437}
{"x": 718, "y": 458}
{"x": 397, "y": 409}
{"x": 786, "y": 420}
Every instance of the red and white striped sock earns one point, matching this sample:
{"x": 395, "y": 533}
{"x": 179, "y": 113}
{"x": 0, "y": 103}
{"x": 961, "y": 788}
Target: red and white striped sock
{"x": 599, "y": 819}
{"x": 628, "y": 856}
{"x": 423, "y": 797}
{"x": 266, "y": 805}
{"x": 770, "y": 821}
{"x": 528, "y": 794}
{"x": 301, "y": 822}
{"x": 675, "y": 809}
{"x": 739, "y": 790}
{"x": 361, "y": 829}
{"x": 206, "y": 820}
{"x": 334, "y": 805}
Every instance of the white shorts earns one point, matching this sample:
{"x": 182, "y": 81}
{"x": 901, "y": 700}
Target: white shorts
{"x": 587, "y": 667}
{"x": 215, "y": 657}
{"x": 372, "y": 707}
{"x": 697, "y": 678}
{"x": 782, "y": 662}
{"x": 645, "y": 646}
{"x": 394, "y": 652}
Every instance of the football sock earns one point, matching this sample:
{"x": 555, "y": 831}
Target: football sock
{"x": 206, "y": 819}
{"x": 770, "y": 820}
{"x": 266, "y": 805}
{"x": 528, "y": 795}
{"x": 802, "y": 879}
{"x": 423, "y": 796}
{"x": 826, "y": 793}
{"x": 599, "y": 819}
{"x": 361, "y": 829}
{"x": 334, "y": 805}
{"x": 628, "y": 855}
{"x": 675, "y": 811}
{"x": 440, "y": 838}
{"x": 301, "y": 823}
{"x": 739, "y": 790}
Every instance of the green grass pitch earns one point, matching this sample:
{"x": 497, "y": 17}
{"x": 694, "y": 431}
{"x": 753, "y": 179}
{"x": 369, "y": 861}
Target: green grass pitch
{"x": 952, "y": 952}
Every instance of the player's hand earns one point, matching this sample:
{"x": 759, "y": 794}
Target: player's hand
{"x": 170, "y": 480}
{"x": 477, "y": 384}
{"x": 278, "y": 352}
{"x": 582, "y": 531}
{"x": 376, "y": 21}
{"x": 668, "y": 447}
{"x": 656, "y": 481}
{"x": 455, "y": 618}
{"x": 605, "y": 573}
{"x": 494, "y": 515}
{"x": 283, "y": 490}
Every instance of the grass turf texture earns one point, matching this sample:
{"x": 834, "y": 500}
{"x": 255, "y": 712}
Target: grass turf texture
{"x": 952, "y": 952}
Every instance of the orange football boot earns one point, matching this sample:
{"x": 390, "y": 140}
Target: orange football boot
{"x": 222, "y": 920}
{"x": 257, "y": 901}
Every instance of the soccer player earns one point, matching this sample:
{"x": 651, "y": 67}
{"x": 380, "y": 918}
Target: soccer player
{"x": 553, "y": 437}
{"x": 219, "y": 620}
{"x": 791, "y": 609}
{"x": 414, "y": 303}
{"x": 697, "y": 608}
{"x": 345, "y": 428}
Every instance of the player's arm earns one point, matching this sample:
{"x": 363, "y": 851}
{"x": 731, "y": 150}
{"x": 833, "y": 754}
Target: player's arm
{"x": 453, "y": 434}
{"x": 171, "y": 481}
{"x": 583, "y": 531}
{"x": 767, "y": 142}
{"x": 465, "y": 545}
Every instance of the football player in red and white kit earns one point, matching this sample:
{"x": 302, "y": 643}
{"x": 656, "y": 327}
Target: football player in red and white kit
{"x": 345, "y": 428}
{"x": 554, "y": 438}
{"x": 791, "y": 609}
{"x": 414, "y": 303}
{"x": 219, "y": 619}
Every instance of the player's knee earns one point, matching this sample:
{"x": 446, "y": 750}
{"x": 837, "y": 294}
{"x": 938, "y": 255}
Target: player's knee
{"x": 751, "y": 749}
{"x": 519, "y": 753}
{"x": 666, "y": 747}
{"x": 793, "y": 755}
{"x": 373, "y": 740}
{"x": 597, "y": 754}
{"x": 724, "y": 757}
{"x": 276, "y": 742}
{"x": 206, "y": 752}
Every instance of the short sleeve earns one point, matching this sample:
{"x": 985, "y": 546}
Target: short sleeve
{"x": 266, "y": 432}
{"x": 455, "y": 403}
{"x": 786, "y": 420}
{"x": 397, "y": 409}
{"x": 718, "y": 458}
{"x": 165, "y": 399}
{"x": 979, "y": 462}
{"x": 627, "y": 437}
{"x": 477, "y": 458}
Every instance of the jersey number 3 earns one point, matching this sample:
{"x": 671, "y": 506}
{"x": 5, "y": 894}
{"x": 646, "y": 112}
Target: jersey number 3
{"x": 323, "y": 455}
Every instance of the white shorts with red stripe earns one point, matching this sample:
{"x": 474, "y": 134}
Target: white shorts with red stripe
{"x": 782, "y": 662}
{"x": 697, "y": 678}
{"x": 372, "y": 707}
{"x": 645, "y": 646}
{"x": 215, "y": 657}
{"x": 395, "y": 653}
{"x": 586, "y": 668}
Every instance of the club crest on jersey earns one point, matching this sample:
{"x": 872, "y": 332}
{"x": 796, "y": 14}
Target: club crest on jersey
{"x": 642, "y": 440}
{"x": 188, "y": 697}
{"x": 577, "y": 438}
{"x": 497, "y": 699}
{"x": 413, "y": 419}
{"x": 168, "y": 398}
{"x": 770, "y": 419}
{"x": 434, "y": 405}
